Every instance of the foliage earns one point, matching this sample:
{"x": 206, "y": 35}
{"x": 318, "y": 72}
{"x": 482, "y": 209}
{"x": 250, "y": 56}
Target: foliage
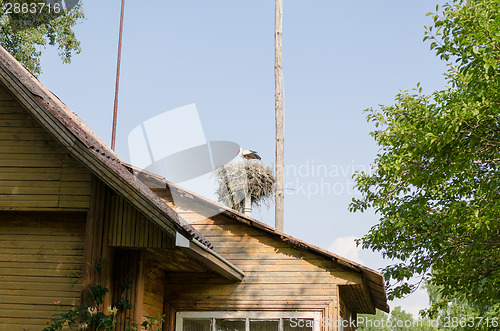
{"x": 397, "y": 320}
{"x": 236, "y": 179}
{"x": 91, "y": 315}
{"x": 151, "y": 322}
{"x": 458, "y": 314}
{"x": 86, "y": 315}
{"x": 437, "y": 175}
{"x": 378, "y": 322}
{"x": 25, "y": 35}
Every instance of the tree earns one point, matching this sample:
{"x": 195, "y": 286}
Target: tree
{"x": 398, "y": 320}
{"x": 377, "y": 322}
{"x": 28, "y": 26}
{"x": 458, "y": 314}
{"x": 436, "y": 178}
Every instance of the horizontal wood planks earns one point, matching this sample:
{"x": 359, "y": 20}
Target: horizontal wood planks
{"x": 278, "y": 275}
{"x": 41, "y": 255}
{"x": 36, "y": 173}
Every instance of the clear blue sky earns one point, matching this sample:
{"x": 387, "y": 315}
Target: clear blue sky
{"x": 339, "y": 58}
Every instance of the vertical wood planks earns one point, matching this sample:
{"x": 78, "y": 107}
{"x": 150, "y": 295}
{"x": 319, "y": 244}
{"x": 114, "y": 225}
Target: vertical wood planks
{"x": 133, "y": 229}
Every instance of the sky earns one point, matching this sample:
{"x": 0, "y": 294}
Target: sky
{"x": 339, "y": 58}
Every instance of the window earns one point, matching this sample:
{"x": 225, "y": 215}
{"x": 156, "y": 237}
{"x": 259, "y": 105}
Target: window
{"x": 247, "y": 321}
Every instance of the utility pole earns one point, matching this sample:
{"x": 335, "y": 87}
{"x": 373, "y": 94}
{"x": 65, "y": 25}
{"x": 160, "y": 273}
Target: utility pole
{"x": 280, "y": 149}
{"x": 118, "y": 61}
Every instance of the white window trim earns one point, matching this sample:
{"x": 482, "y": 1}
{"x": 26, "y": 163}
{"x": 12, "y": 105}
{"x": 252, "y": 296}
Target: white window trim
{"x": 316, "y": 316}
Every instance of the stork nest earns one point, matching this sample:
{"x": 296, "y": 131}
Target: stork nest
{"x": 236, "y": 180}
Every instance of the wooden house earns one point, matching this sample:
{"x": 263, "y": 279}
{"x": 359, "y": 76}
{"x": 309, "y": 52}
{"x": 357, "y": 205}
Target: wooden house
{"x": 69, "y": 204}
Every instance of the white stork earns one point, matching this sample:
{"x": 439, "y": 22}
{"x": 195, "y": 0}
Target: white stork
{"x": 249, "y": 154}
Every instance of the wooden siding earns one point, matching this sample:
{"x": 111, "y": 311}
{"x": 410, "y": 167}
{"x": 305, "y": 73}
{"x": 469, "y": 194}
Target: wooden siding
{"x": 330, "y": 318}
{"x": 130, "y": 228}
{"x": 36, "y": 173}
{"x": 154, "y": 294}
{"x": 357, "y": 296}
{"x": 128, "y": 269}
{"x": 278, "y": 276}
{"x": 117, "y": 234}
{"x": 97, "y": 250}
{"x": 41, "y": 256}
{"x": 348, "y": 317}
{"x": 173, "y": 260}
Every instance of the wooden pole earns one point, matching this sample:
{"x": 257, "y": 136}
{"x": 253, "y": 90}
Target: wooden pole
{"x": 280, "y": 149}
{"x": 247, "y": 204}
{"x": 118, "y": 62}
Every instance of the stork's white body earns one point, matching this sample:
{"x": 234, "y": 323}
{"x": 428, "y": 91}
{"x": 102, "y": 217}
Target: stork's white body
{"x": 249, "y": 154}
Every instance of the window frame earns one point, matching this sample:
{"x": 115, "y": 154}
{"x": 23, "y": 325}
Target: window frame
{"x": 248, "y": 315}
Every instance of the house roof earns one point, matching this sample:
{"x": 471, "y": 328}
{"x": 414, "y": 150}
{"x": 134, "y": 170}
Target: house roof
{"x": 87, "y": 147}
{"x": 82, "y": 143}
{"x": 374, "y": 279}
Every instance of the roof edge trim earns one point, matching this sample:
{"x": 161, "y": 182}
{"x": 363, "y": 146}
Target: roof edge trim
{"x": 208, "y": 258}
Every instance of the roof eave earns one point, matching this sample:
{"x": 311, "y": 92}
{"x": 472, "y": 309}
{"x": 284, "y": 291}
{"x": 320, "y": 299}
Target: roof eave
{"x": 209, "y": 258}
